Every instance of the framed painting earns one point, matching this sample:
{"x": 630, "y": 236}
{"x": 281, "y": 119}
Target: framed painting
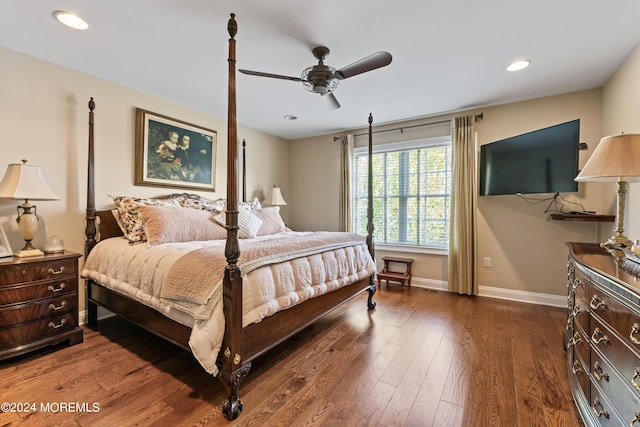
{"x": 5, "y": 248}
{"x": 173, "y": 153}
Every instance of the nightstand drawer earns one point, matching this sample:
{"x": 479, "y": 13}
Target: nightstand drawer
{"x": 47, "y": 269}
{"x": 30, "y": 291}
{"x": 26, "y": 332}
{"x": 28, "y": 311}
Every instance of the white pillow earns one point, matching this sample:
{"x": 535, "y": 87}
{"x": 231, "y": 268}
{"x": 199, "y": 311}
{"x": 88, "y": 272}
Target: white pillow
{"x": 248, "y": 223}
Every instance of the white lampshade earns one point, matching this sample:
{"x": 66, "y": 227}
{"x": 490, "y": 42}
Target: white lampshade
{"x": 274, "y": 198}
{"x": 25, "y": 182}
{"x": 615, "y": 157}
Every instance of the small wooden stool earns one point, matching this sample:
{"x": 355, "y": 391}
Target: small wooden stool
{"x": 395, "y": 276}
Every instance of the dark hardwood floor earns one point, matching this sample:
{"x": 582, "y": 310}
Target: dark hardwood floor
{"x": 422, "y": 358}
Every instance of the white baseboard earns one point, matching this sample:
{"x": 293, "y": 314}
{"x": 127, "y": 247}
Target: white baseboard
{"x": 498, "y": 293}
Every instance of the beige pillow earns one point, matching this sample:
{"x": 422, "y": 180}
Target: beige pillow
{"x": 248, "y": 223}
{"x": 272, "y": 222}
{"x": 169, "y": 224}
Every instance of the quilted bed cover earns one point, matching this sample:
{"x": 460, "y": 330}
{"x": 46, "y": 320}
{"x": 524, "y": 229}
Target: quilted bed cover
{"x": 184, "y": 280}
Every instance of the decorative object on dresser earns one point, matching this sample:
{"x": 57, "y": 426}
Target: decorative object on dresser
{"x": 395, "y": 276}
{"x": 602, "y": 336}
{"x": 615, "y": 159}
{"x": 38, "y": 303}
{"x": 5, "y": 247}
{"x": 25, "y": 182}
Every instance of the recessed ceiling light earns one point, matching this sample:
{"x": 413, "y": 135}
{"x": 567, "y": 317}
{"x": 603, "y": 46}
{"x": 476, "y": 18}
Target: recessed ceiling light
{"x": 70, "y": 20}
{"x": 291, "y": 117}
{"x": 518, "y": 65}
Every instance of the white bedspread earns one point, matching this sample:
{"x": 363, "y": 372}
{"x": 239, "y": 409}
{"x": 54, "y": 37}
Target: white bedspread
{"x": 138, "y": 272}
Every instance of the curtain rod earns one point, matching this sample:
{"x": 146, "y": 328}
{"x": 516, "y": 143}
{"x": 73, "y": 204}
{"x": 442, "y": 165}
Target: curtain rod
{"x": 478, "y": 118}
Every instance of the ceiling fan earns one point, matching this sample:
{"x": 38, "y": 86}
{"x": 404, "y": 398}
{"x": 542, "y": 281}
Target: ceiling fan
{"x": 324, "y": 79}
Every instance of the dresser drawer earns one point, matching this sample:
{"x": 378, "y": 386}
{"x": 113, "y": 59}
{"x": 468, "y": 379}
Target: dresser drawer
{"x": 33, "y": 310}
{"x": 604, "y": 411}
{"x": 47, "y": 269}
{"x": 27, "y": 332}
{"x": 580, "y": 370}
{"x": 621, "y": 318}
{"x": 36, "y": 290}
{"x": 626, "y": 401}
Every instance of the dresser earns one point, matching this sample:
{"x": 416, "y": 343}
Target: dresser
{"x": 38, "y": 303}
{"x": 602, "y": 335}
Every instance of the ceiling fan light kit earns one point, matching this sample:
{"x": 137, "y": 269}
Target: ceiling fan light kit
{"x": 323, "y": 79}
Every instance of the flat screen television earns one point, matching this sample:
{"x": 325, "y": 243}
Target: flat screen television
{"x": 542, "y": 161}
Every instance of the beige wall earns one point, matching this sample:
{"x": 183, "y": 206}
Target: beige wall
{"x": 527, "y": 251}
{"x": 44, "y": 119}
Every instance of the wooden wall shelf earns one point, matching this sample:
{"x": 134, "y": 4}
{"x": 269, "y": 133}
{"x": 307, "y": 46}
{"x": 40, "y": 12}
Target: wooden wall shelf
{"x": 583, "y": 217}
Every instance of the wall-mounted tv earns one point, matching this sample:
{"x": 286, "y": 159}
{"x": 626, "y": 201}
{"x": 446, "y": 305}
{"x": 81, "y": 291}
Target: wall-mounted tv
{"x": 542, "y": 161}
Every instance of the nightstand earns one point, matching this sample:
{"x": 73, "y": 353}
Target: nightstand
{"x": 38, "y": 303}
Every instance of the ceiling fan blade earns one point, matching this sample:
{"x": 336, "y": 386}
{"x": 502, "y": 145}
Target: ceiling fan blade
{"x": 371, "y": 62}
{"x": 274, "y": 76}
{"x": 332, "y": 102}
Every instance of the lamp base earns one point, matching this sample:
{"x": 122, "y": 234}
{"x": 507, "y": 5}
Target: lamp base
{"x": 25, "y": 253}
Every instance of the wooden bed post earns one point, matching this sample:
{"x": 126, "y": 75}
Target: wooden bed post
{"x": 372, "y": 287}
{"x": 90, "y": 215}
{"x": 230, "y": 360}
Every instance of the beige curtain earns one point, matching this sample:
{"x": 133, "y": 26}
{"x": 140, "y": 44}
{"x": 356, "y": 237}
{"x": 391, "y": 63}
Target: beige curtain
{"x": 346, "y": 159}
{"x": 462, "y": 237}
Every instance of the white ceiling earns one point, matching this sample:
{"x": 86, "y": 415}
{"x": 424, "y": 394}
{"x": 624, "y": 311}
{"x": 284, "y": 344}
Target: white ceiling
{"x": 447, "y": 55}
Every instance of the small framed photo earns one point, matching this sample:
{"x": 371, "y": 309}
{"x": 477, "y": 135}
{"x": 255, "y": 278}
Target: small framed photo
{"x": 5, "y": 248}
{"x": 173, "y": 153}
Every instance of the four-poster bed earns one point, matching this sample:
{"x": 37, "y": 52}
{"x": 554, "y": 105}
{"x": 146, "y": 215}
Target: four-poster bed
{"x": 240, "y": 344}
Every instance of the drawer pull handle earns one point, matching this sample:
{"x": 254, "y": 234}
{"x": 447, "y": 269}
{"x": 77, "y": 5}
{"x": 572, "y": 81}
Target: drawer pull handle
{"x": 635, "y": 329}
{"x": 576, "y": 367}
{"x": 576, "y": 339}
{"x": 52, "y": 289}
{"x": 60, "y": 325}
{"x": 52, "y": 271}
{"x": 636, "y": 374}
{"x": 597, "y": 303}
{"x": 636, "y": 417}
{"x": 599, "y": 373}
{"x": 60, "y": 307}
{"x": 603, "y": 337}
{"x": 597, "y": 404}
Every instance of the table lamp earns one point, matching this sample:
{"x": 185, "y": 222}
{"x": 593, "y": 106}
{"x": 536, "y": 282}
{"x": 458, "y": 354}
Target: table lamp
{"x": 274, "y": 198}
{"x": 615, "y": 159}
{"x": 25, "y": 182}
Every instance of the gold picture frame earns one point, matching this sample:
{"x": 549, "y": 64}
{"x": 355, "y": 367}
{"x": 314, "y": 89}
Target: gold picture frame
{"x": 173, "y": 153}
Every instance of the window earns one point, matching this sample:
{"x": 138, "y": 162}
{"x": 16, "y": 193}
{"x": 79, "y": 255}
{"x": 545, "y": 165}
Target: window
{"x": 411, "y": 192}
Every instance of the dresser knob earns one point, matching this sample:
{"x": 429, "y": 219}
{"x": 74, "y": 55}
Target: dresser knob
{"x": 597, "y": 303}
{"x": 636, "y": 374}
{"x": 52, "y": 271}
{"x": 60, "y": 307}
{"x": 52, "y": 289}
{"x": 636, "y": 418}
{"x": 59, "y": 325}
{"x": 635, "y": 329}
{"x": 599, "y": 373}
{"x": 603, "y": 338}
{"x": 597, "y": 404}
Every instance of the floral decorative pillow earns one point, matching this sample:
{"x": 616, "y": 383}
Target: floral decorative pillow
{"x": 251, "y": 205}
{"x": 248, "y": 223}
{"x": 195, "y": 201}
{"x": 171, "y": 224}
{"x": 130, "y": 217}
